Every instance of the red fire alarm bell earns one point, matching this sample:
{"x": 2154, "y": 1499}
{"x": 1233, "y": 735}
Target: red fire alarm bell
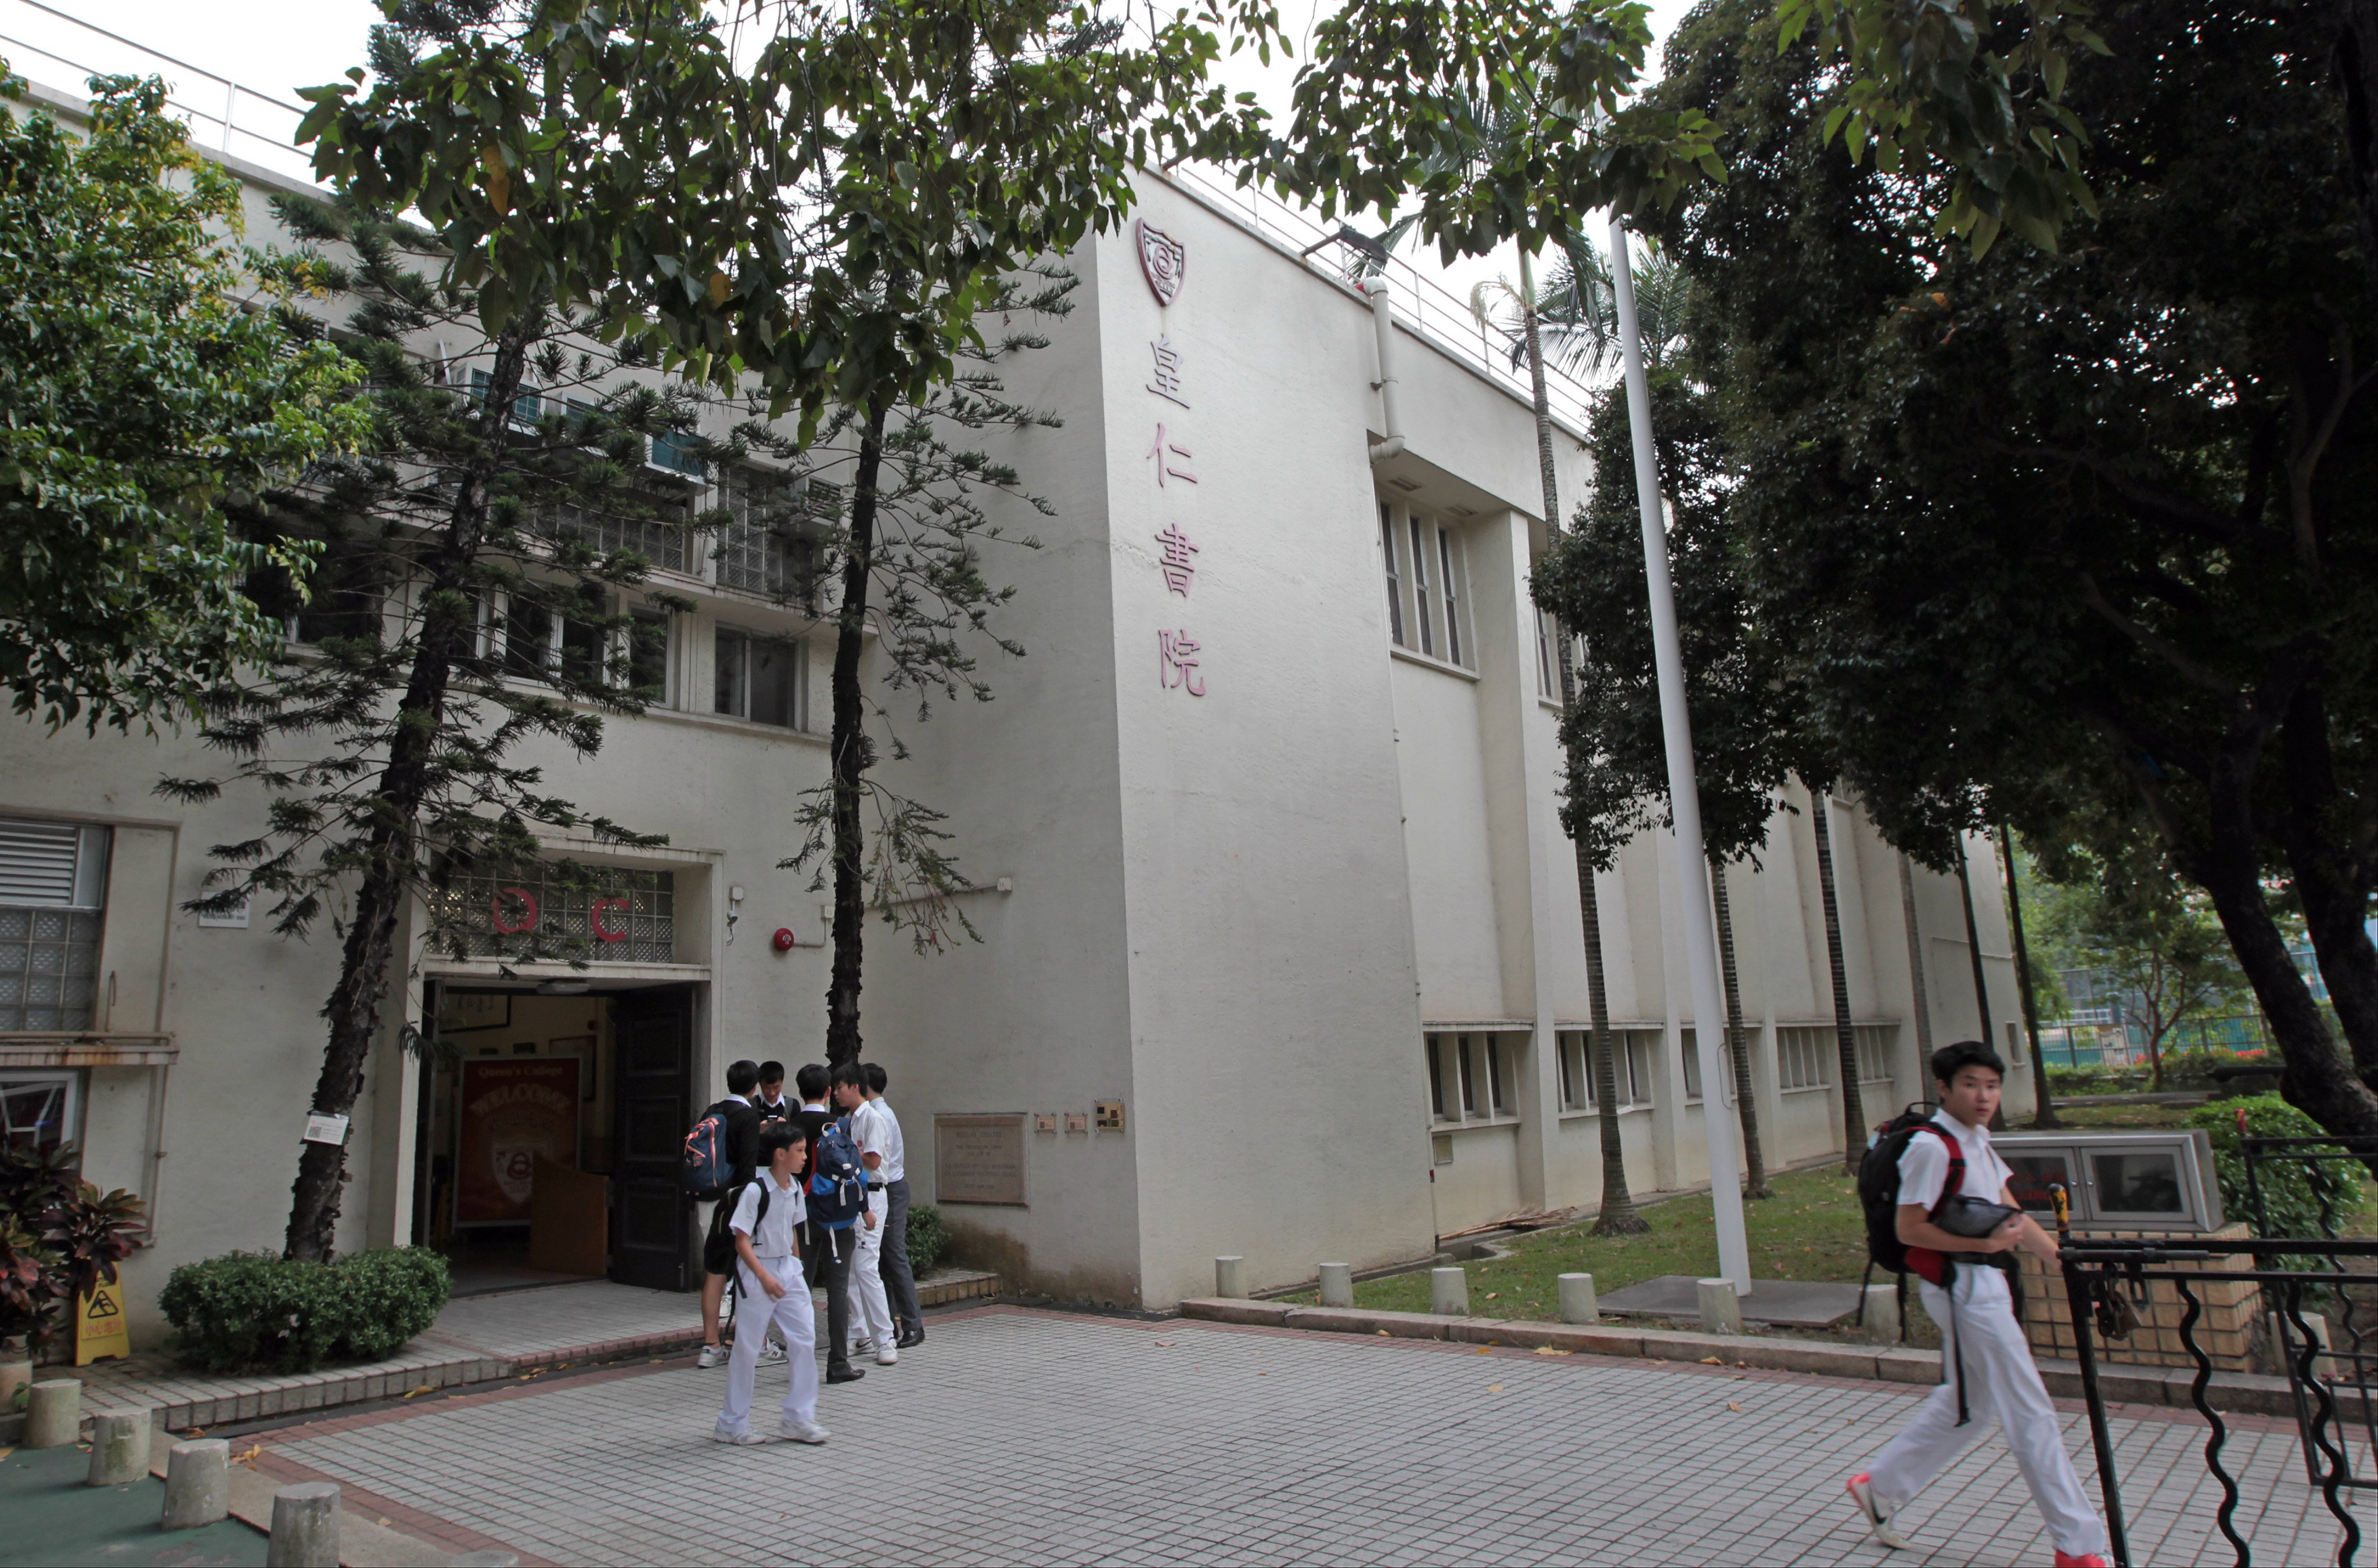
{"x": 784, "y": 940}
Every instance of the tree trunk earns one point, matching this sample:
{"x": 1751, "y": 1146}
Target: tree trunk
{"x": 1820, "y": 808}
{"x": 1918, "y": 1000}
{"x": 1618, "y": 1216}
{"x": 2044, "y": 1115}
{"x": 1737, "y": 1048}
{"x": 393, "y": 854}
{"x": 851, "y": 753}
{"x": 2357, "y": 70}
{"x": 1981, "y": 984}
{"x": 2326, "y": 875}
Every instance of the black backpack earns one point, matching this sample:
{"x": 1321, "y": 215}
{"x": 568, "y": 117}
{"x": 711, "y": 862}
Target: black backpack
{"x": 1877, "y": 1183}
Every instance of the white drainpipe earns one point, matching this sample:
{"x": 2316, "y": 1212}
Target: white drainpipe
{"x": 1384, "y": 318}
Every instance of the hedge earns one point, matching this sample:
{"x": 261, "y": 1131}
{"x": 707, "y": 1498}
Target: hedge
{"x": 257, "y": 1311}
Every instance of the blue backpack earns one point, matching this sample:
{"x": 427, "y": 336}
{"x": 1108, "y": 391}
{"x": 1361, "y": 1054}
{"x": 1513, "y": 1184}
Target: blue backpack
{"x": 837, "y": 1184}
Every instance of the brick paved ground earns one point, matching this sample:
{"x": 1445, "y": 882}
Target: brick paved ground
{"x": 1021, "y": 1437}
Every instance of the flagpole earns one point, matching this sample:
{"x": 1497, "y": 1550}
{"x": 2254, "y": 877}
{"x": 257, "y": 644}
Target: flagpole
{"x": 1684, "y": 794}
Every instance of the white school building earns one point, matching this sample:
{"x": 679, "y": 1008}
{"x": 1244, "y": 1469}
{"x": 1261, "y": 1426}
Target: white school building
{"x": 1280, "y": 949}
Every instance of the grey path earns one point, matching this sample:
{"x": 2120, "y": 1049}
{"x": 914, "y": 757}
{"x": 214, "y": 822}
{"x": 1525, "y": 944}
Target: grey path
{"x": 1016, "y": 1437}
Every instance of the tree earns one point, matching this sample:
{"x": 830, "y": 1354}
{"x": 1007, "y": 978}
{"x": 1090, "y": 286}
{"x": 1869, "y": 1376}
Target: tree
{"x": 2126, "y": 915}
{"x": 464, "y": 606}
{"x": 2083, "y": 536}
{"x": 1744, "y": 731}
{"x": 142, "y": 400}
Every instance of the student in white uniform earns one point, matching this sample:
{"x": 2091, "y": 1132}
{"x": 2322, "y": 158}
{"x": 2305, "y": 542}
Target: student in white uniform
{"x": 1982, "y": 1347}
{"x": 774, "y": 1293}
{"x": 899, "y": 1279}
{"x": 867, "y": 1304}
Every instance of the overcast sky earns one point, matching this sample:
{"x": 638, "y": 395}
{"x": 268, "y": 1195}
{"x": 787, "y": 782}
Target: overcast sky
{"x": 273, "y": 47}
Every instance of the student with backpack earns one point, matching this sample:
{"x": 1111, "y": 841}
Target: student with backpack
{"x": 720, "y": 1154}
{"x": 774, "y": 1294}
{"x": 1938, "y": 1205}
{"x": 867, "y": 1296}
{"x": 838, "y": 1194}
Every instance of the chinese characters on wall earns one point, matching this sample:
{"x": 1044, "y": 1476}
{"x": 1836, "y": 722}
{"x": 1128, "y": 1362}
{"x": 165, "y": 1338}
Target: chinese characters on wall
{"x": 1178, "y": 652}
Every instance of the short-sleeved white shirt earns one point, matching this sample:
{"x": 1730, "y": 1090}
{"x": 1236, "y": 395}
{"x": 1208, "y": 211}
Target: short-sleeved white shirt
{"x": 873, "y": 1130}
{"x": 774, "y": 1234}
{"x": 1923, "y": 1166}
{"x": 895, "y": 1148}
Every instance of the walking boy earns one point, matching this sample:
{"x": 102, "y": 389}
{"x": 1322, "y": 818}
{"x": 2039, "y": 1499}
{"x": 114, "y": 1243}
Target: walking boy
{"x": 867, "y": 1302}
{"x": 1988, "y": 1372}
{"x": 774, "y": 1294}
{"x": 899, "y": 1280}
{"x": 742, "y": 1124}
{"x": 829, "y": 1251}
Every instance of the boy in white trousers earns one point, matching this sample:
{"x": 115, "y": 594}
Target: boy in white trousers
{"x": 774, "y": 1293}
{"x": 1982, "y": 1347}
{"x": 870, "y": 1310}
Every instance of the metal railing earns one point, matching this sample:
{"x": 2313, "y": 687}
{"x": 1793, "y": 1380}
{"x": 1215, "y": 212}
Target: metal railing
{"x": 45, "y": 45}
{"x": 1422, "y": 303}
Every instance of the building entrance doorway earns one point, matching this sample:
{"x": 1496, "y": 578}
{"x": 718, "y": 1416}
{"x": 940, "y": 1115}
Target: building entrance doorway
{"x": 552, "y": 1122}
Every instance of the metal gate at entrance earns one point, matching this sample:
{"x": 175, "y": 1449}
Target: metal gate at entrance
{"x": 551, "y": 1127}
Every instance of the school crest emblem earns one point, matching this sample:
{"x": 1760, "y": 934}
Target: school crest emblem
{"x": 1163, "y": 258}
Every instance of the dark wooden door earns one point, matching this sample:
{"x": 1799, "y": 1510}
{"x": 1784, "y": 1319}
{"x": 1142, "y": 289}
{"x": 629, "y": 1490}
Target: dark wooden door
{"x": 652, "y": 1219}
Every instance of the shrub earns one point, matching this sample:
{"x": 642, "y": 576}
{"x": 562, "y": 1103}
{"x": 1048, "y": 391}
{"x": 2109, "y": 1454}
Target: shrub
{"x": 257, "y": 1311}
{"x": 58, "y": 1238}
{"x": 927, "y": 1242}
{"x": 2293, "y": 1190}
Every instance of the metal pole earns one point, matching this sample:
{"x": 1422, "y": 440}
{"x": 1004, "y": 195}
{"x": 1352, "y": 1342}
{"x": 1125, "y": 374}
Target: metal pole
{"x": 1683, "y": 794}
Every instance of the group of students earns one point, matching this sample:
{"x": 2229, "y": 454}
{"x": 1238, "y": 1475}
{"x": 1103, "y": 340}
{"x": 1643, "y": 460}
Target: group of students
{"x": 772, "y": 1245}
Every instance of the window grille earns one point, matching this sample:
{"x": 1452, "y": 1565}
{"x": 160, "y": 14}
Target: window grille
{"x": 660, "y": 542}
{"x": 763, "y": 550}
{"x": 1802, "y": 1056}
{"x": 624, "y": 917}
{"x": 1394, "y": 582}
{"x": 1874, "y": 1043}
{"x": 52, "y": 893}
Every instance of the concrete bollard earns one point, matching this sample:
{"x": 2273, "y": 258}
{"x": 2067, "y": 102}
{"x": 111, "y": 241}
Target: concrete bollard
{"x": 305, "y": 1526}
{"x": 1577, "y": 1300}
{"x": 1231, "y": 1278}
{"x": 119, "y": 1447}
{"x": 1448, "y": 1292}
{"x": 1881, "y": 1321}
{"x": 197, "y": 1483}
{"x": 1337, "y": 1284}
{"x": 53, "y": 1418}
{"x": 1721, "y": 1308}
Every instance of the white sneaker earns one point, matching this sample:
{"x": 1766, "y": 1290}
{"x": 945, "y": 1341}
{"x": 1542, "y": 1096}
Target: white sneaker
{"x": 861, "y": 1347}
{"x": 802, "y": 1431}
{"x": 887, "y": 1356}
{"x": 745, "y": 1437}
{"x": 711, "y": 1356}
{"x": 771, "y": 1355}
{"x": 1861, "y": 1491}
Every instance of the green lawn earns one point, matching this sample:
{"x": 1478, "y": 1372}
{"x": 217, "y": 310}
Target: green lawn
{"x": 2121, "y": 1118}
{"x": 1809, "y": 1230}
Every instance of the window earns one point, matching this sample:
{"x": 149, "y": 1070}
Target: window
{"x": 760, "y": 679}
{"x": 40, "y": 1110}
{"x": 1632, "y": 1055}
{"x": 1435, "y": 1078}
{"x": 1572, "y": 1070}
{"x": 583, "y": 658}
{"x": 613, "y": 913}
{"x": 1801, "y": 1055}
{"x": 342, "y": 598}
{"x": 1547, "y": 666}
{"x": 678, "y": 452}
{"x": 528, "y": 638}
{"x": 1874, "y": 1042}
{"x": 765, "y": 549}
{"x": 53, "y": 898}
{"x": 1691, "y": 1043}
{"x": 1468, "y": 1080}
{"x": 1446, "y": 580}
{"x": 1469, "y": 1076}
{"x": 648, "y": 654}
{"x": 1420, "y": 587}
{"x": 1496, "y": 1099}
{"x": 526, "y": 406}
{"x": 1395, "y": 584}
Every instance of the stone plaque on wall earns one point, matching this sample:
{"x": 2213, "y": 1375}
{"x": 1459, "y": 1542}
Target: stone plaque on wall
{"x": 978, "y": 1159}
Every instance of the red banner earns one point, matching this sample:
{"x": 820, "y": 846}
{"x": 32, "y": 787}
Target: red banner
{"x": 513, "y": 1110}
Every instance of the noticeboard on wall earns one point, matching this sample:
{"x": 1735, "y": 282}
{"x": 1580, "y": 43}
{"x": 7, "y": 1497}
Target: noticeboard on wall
{"x": 512, "y": 1109}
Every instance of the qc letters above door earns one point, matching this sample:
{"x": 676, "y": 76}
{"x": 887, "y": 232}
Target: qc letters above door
{"x": 652, "y": 1221}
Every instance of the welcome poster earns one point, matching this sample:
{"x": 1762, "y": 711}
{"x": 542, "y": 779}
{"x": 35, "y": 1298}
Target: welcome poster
{"x": 513, "y": 1110}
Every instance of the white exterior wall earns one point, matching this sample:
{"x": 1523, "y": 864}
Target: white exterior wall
{"x": 1237, "y": 914}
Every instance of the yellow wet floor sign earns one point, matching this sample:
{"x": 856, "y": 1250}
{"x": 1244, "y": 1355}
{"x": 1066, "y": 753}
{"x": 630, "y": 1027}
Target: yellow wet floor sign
{"x": 99, "y": 1324}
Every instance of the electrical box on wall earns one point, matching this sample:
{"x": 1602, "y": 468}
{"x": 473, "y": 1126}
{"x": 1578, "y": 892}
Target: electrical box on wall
{"x": 1110, "y": 1113}
{"x": 2118, "y": 1181}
